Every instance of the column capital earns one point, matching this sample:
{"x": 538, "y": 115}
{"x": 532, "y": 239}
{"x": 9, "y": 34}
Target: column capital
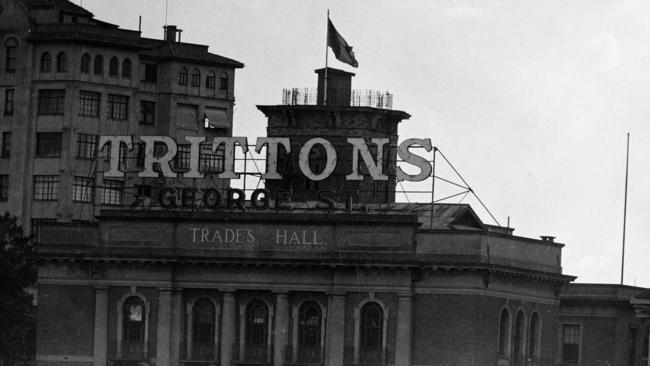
{"x": 101, "y": 288}
{"x": 281, "y": 292}
{"x": 166, "y": 289}
{"x": 336, "y": 293}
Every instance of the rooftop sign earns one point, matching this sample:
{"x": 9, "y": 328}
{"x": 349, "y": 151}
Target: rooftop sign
{"x": 360, "y": 151}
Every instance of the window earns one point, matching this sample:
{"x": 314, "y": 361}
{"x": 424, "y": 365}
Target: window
{"x": 118, "y": 106}
{"x": 85, "y": 63}
{"x": 203, "y": 326}
{"x": 98, "y": 65}
{"x": 46, "y": 62}
{"x": 631, "y": 346}
{"x": 134, "y": 315}
{"x": 644, "y": 346}
{"x": 223, "y": 81}
{"x": 210, "y": 81}
{"x": 4, "y": 187}
{"x": 570, "y": 343}
{"x": 309, "y": 332}
{"x": 504, "y": 326}
{"x": 61, "y": 62}
{"x": 113, "y": 66}
{"x": 196, "y": 78}
{"x": 182, "y": 76}
{"x": 6, "y": 145}
{"x": 256, "y": 336}
{"x": 371, "y": 332}
{"x": 518, "y": 338}
{"x": 209, "y": 162}
{"x": 51, "y": 102}
{"x": 11, "y": 47}
{"x": 89, "y": 103}
{"x": 150, "y": 73}
{"x": 182, "y": 158}
{"x": 9, "y": 102}
{"x": 533, "y": 337}
{"x": 112, "y": 192}
{"x": 143, "y": 190}
{"x": 48, "y": 145}
{"x": 82, "y": 189}
{"x": 126, "y": 68}
{"x": 86, "y": 146}
{"x": 46, "y": 187}
{"x": 147, "y": 111}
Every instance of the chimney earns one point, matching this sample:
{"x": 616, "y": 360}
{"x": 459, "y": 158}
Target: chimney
{"x": 170, "y": 33}
{"x": 548, "y": 238}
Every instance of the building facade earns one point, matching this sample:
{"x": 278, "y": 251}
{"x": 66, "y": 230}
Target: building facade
{"x": 68, "y": 78}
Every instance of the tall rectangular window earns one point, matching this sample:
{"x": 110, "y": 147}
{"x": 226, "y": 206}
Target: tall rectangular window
{"x": 112, "y": 192}
{"x": 51, "y": 102}
{"x": 82, "y": 189}
{"x": 150, "y": 73}
{"x": 118, "y": 106}
{"x": 46, "y": 187}
{"x": 147, "y": 111}
{"x": 209, "y": 82}
{"x": 86, "y": 146}
{"x": 6, "y": 145}
{"x": 48, "y": 145}
{"x": 9, "y": 102}
{"x": 182, "y": 158}
{"x": 89, "y": 103}
{"x": 4, "y": 187}
{"x": 571, "y": 343}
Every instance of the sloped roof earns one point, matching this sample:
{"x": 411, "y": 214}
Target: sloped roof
{"x": 188, "y": 52}
{"x": 446, "y": 216}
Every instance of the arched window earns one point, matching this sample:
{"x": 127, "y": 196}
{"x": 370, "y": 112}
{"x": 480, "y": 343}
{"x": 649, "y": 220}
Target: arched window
{"x": 203, "y": 324}
{"x": 61, "y": 62}
{"x": 11, "y": 48}
{"x": 46, "y": 62}
{"x": 256, "y": 337}
{"x": 196, "y": 78}
{"x": 518, "y": 339}
{"x": 133, "y": 327}
{"x": 113, "y": 66}
{"x": 85, "y": 63}
{"x": 504, "y": 326}
{"x": 182, "y": 76}
{"x": 98, "y": 65}
{"x": 533, "y": 337}
{"x": 126, "y": 68}
{"x": 210, "y": 80}
{"x": 371, "y": 333}
{"x": 223, "y": 81}
{"x": 309, "y": 332}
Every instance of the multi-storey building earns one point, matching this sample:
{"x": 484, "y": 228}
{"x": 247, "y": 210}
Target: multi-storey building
{"x": 67, "y": 78}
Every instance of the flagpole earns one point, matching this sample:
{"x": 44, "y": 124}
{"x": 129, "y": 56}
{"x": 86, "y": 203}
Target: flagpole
{"x": 627, "y": 163}
{"x": 327, "y": 35}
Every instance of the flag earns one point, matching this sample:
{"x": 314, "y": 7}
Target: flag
{"x": 342, "y": 50}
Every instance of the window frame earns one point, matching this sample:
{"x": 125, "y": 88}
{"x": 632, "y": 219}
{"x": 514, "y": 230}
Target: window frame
{"x": 83, "y": 189}
{"x": 98, "y": 65}
{"x": 46, "y": 141}
{"x": 87, "y": 145}
{"x": 4, "y": 187}
{"x": 195, "y": 78}
{"x": 117, "y": 107}
{"x": 126, "y": 68}
{"x": 182, "y": 76}
{"x": 10, "y": 99}
{"x": 112, "y": 192}
{"x": 123, "y": 329}
{"x": 5, "y": 153}
{"x": 89, "y": 103}
{"x": 205, "y": 348}
{"x": 84, "y": 66}
{"x": 46, "y": 187}
{"x": 147, "y": 112}
{"x": 61, "y": 62}
{"x": 561, "y": 338}
{"x": 46, "y": 62}
{"x": 150, "y": 73}
{"x": 11, "y": 56}
{"x": 51, "y": 102}
{"x": 113, "y": 67}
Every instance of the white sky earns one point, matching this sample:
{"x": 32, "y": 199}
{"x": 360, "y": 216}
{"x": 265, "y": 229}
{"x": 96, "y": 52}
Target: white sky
{"x": 530, "y": 100}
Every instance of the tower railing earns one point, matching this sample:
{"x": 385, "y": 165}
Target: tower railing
{"x": 354, "y": 98}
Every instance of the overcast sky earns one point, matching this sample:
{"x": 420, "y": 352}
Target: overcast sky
{"x": 530, "y": 100}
